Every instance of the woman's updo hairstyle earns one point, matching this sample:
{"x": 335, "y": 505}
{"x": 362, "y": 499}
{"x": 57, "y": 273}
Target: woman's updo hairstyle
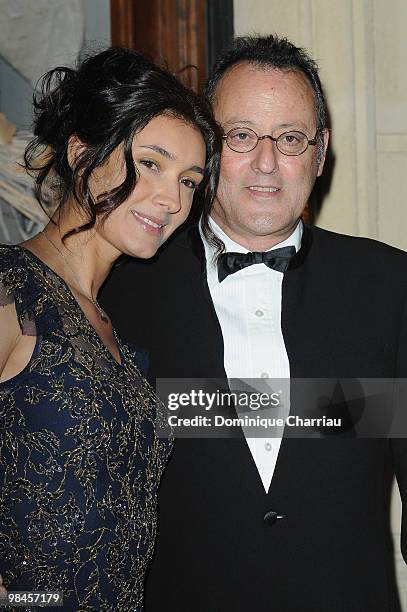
{"x": 104, "y": 102}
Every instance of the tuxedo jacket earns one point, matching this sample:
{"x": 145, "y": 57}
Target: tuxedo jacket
{"x": 343, "y": 315}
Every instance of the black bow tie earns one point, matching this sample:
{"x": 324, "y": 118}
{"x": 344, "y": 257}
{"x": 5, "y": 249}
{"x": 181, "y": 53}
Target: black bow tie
{"x": 277, "y": 259}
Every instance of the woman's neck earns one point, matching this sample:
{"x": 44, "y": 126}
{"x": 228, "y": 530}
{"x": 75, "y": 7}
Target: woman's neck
{"x": 82, "y": 259}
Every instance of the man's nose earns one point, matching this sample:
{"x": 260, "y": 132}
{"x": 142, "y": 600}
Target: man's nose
{"x": 266, "y": 156}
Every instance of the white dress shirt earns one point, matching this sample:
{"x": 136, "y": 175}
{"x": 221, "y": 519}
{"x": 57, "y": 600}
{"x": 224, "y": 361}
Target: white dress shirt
{"x": 248, "y": 306}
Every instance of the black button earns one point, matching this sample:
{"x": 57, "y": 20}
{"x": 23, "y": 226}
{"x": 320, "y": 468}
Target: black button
{"x": 270, "y": 518}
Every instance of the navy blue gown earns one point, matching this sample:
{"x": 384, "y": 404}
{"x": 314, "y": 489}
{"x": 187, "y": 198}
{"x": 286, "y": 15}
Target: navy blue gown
{"x": 81, "y": 453}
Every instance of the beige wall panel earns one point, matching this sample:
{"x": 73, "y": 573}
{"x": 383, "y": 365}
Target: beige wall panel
{"x": 390, "y": 23}
{"x": 292, "y": 18}
{"x": 391, "y": 58}
{"x": 333, "y": 49}
{"x": 392, "y": 175}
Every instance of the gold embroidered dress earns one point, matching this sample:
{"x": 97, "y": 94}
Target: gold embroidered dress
{"x": 80, "y": 455}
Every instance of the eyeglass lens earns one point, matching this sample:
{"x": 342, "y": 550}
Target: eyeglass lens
{"x": 289, "y": 143}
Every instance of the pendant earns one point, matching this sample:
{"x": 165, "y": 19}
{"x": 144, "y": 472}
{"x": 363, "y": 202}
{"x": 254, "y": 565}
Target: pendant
{"x": 103, "y": 316}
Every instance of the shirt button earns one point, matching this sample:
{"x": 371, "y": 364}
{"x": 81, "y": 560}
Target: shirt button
{"x": 268, "y": 446}
{"x": 259, "y": 313}
{"x": 265, "y": 375}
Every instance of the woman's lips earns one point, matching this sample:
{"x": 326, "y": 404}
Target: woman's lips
{"x": 151, "y": 225}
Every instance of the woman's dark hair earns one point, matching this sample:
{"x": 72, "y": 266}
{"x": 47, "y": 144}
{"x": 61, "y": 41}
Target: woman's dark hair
{"x": 104, "y": 102}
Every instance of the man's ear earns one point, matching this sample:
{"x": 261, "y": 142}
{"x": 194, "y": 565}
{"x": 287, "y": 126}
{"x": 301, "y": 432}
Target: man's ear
{"x": 325, "y": 137}
{"x": 75, "y": 149}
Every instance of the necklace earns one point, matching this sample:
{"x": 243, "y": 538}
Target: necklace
{"x": 103, "y": 316}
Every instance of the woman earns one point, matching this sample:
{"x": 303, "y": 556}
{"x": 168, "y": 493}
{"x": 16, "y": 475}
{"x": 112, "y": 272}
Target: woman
{"x": 123, "y": 146}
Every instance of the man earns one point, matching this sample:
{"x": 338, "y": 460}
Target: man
{"x": 270, "y": 525}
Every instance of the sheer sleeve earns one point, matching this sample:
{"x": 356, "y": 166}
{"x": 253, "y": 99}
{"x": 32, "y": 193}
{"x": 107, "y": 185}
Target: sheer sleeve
{"x": 20, "y": 286}
{"x": 13, "y": 283}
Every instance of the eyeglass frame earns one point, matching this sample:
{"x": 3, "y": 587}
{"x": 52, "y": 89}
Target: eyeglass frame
{"x": 312, "y": 141}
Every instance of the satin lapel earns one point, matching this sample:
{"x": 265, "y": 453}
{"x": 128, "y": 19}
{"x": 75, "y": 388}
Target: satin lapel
{"x": 294, "y": 328}
{"x": 306, "y": 318}
{"x": 197, "y": 247}
{"x": 198, "y": 250}
{"x": 293, "y": 306}
{"x": 307, "y": 324}
{"x": 210, "y": 324}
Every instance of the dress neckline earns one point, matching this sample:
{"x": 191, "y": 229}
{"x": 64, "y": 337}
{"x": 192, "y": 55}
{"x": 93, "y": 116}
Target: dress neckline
{"x": 59, "y": 278}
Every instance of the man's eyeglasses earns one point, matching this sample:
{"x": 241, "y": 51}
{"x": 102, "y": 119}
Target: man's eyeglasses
{"x": 243, "y": 140}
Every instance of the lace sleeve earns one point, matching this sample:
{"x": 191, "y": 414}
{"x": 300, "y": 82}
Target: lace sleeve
{"x": 26, "y": 322}
{"x": 12, "y": 283}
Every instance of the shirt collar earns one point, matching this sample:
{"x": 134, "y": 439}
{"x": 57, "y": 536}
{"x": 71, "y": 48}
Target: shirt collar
{"x": 233, "y": 247}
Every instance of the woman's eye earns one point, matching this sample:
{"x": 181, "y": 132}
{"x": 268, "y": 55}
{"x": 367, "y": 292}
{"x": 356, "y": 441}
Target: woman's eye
{"x": 189, "y": 183}
{"x": 149, "y": 163}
